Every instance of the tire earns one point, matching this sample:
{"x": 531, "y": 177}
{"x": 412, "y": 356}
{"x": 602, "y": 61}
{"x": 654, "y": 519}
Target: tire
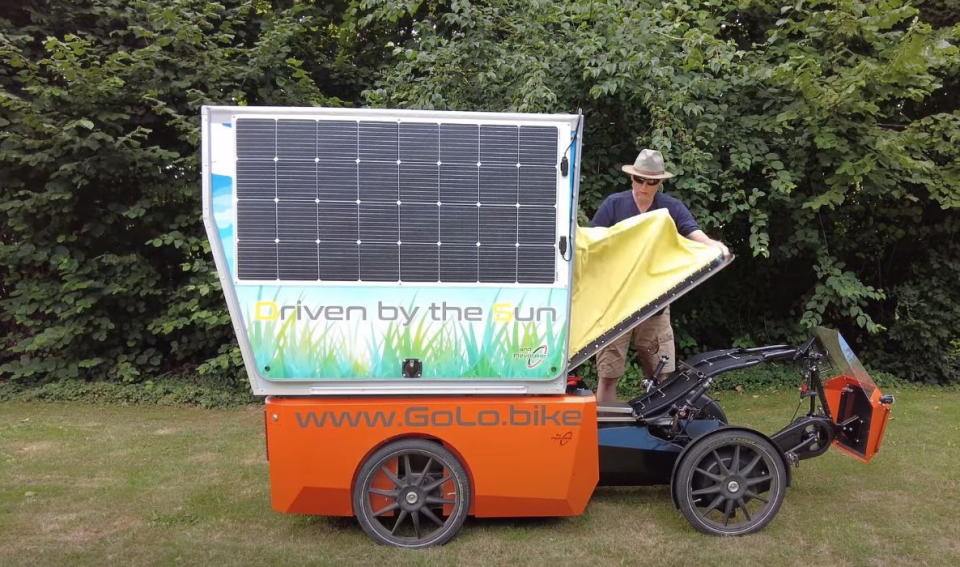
{"x": 411, "y": 493}
{"x": 710, "y": 409}
{"x": 730, "y": 483}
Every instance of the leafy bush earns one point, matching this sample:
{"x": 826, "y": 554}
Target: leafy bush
{"x": 813, "y": 138}
{"x": 924, "y": 343}
{"x": 166, "y": 392}
{"x": 818, "y": 139}
{"x": 106, "y": 270}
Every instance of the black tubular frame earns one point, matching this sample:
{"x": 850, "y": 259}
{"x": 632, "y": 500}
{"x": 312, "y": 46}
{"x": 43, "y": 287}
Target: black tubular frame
{"x": 674, "y": 399}
{"x": 696, "y": 375}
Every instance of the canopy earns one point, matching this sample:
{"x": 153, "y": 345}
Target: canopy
{"x": 627, "y": 273}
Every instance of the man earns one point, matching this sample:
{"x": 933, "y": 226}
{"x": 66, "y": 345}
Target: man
{"x": 654, "y": 337}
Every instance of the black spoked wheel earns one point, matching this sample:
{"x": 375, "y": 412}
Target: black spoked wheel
{"x": 412, "y": 493}
{"x": 731, "y": 483}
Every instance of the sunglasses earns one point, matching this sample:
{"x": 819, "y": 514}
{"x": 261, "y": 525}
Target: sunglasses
{"x": 643, "y": 180}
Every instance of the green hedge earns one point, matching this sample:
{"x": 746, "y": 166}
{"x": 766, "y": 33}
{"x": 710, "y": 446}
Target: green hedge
{"x": 819, "y": 139}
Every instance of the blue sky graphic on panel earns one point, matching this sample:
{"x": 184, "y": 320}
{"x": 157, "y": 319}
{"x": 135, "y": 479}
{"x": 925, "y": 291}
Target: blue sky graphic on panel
{"x": 223, "y": 214}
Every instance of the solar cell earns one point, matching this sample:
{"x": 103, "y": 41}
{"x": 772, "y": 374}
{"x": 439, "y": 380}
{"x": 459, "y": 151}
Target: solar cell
{"x": 387, "y": 201}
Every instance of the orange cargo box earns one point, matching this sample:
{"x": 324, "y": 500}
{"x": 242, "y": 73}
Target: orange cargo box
{"x": 525, "y": 456}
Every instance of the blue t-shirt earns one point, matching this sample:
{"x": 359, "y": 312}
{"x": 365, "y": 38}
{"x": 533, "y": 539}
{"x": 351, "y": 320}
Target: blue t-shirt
{"x": 621, "y": 206}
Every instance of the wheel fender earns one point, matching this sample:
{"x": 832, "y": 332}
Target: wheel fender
{"x": 698, "y": 440}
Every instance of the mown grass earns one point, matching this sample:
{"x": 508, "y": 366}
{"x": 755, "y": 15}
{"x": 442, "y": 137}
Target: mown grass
{"x": 148, "y": 485}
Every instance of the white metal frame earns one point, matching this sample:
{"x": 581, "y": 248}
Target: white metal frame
{"x": 565, "y": 212}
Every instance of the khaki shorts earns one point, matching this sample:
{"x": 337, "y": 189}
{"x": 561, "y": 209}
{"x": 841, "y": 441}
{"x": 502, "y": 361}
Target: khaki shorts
{"x": 651, "y": 339}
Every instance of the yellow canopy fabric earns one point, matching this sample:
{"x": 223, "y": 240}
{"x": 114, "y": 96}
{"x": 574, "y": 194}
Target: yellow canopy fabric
{"x": 622, "y": 269}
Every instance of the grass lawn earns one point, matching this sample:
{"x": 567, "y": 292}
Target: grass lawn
{"x": 104, "y": 485}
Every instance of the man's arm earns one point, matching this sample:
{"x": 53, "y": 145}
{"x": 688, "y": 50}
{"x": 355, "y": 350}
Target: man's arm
{"x": 701, "y": 237}
{"x": 688, "y": 227}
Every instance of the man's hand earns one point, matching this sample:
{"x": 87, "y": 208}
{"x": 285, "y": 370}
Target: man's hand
{"x": 723, "y": 247}
{"x": 701, "y": 237}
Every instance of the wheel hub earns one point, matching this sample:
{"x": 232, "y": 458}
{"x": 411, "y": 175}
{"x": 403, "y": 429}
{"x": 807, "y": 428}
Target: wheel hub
{"x": 733, "y": 486}
{"x": 411, "y": 498}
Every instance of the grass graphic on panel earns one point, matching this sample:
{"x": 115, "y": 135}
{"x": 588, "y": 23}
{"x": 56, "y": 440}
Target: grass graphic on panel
{"x": 287, "y": 350}
{"x": 401, "y": 342}
{"x": 284, "y": 349}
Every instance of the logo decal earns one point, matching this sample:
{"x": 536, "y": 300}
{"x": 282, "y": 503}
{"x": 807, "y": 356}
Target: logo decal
{"x": 533, "y": 356}
{"x": 563, "y": 439}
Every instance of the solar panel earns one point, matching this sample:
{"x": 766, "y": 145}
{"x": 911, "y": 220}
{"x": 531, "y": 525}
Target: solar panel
{"x": 388, "y": 201}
